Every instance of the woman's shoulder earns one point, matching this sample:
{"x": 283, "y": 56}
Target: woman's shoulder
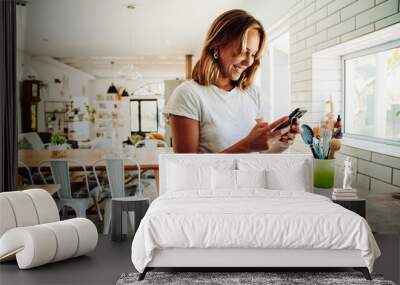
{"x": 254, "y": 91}
{"x": 190, "y": 88}
{"x": 189, "y": 85}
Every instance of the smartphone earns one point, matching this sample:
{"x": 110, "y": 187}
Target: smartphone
{"x": 296, "y": 114}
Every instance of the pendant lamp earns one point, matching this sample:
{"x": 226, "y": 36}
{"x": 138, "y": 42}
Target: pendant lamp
{"x": 125, "y": 93}
{"x": 112, "y": 89}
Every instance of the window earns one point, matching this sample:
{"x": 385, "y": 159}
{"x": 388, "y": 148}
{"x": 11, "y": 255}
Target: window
{"x": 144, "y": 115}
{"x": 372, "y": 93}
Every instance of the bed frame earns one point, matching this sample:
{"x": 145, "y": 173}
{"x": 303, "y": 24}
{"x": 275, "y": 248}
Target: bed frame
{"x": 243, "y": 259}
{"x": 246, "y": 258}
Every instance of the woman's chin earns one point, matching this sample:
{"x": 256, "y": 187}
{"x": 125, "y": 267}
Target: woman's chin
{"x": 235, "y": 77}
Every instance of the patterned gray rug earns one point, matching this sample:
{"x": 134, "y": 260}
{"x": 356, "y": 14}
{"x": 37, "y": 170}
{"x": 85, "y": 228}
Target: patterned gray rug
{"x": 243, "y": 278}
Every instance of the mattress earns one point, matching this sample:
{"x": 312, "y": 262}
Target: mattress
{"x": 250, "y": 219}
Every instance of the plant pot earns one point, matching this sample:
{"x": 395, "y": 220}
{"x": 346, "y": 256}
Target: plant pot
{"x": 324, "y": 173}
{"x": 58, "y": 151}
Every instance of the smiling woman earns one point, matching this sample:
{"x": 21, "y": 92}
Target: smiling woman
{"x": 220, "y": 110}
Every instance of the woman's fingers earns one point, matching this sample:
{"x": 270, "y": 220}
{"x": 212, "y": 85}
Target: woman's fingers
{"x": 290, "y": 135}
{"x": 281, "y": 132}
{"x": 278, "y": 122}
{"x": 295, "y": 127}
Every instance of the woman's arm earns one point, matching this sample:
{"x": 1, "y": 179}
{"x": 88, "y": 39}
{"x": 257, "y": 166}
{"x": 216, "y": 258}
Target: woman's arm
{"x": 186, "y": 133}
{"x": 185, "y": 137}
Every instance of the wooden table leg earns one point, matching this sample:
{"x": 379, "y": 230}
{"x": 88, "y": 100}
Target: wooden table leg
{"x": 157, "y": 177}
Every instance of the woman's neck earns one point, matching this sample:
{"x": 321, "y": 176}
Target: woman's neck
{"x": 225, "y": 84}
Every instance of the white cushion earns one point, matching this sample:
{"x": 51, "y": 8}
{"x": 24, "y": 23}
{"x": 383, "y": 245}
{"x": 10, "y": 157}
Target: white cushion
{"x": 185, "y": 177}
{"x": 67, "y": 240}
{"x": 41, "y": 244}
{"x": 294, "y": 178}
{"x": 251, "y": 178}
{"x": 23, "y": 208}
{"x": 7, "y": 218}
{"x": 87, "y": 235}
{"x": 223, "y": 179}
{"x": 283, "y": 172}
{"x": 44, "y": 204}
{"x": 34, "y": 244}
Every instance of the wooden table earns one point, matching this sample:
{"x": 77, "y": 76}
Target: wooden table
{"x": 147, "y": 159}
{"x": 51, "y": 188}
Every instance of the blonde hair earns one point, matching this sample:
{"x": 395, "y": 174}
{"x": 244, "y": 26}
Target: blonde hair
{"x": 229, "y": 26}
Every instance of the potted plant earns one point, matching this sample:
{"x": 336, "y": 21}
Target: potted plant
{"x": 58, "y": 145}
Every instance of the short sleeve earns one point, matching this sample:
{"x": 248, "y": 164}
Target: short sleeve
{"x": 184, "y": 102}
{"x": 259, "y": 95}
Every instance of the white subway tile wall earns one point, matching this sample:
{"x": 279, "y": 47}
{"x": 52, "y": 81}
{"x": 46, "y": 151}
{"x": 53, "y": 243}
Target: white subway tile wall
{"x": 316, "y": 25}
{"x": 396, "y": 177}
{"x": 342, "y": 28}
{"x": 356, "y": 8}
{"x": 379, "y": 12}
{"x": 356, "y": 152}
{"x": 387, "y": 21}
{"x": 357, "y": 33}
{"x": 378, "y": 186}
{"x": 375, "y": 170}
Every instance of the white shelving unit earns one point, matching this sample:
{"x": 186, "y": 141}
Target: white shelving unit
{"x": 112, "y": 116}
{"x": 79, "y": 130}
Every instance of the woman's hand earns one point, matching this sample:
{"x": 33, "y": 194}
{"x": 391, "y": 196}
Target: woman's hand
{"x": 287, "y": 139}
{"x": 262, "y": 136}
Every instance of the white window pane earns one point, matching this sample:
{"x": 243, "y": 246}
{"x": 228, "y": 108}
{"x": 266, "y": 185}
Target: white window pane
{"x": 149, "y": 116}
{"x": 134, "y": 116}
{"x": 372, "y": 99}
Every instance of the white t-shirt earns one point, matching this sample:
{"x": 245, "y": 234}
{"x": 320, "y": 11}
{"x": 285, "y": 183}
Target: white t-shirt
{"x": 225, "y": 117}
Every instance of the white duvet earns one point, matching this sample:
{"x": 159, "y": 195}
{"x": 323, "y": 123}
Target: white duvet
{"x": 256, "y": 218}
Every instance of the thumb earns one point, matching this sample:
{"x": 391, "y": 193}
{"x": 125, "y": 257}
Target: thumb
{"x": 259, "y": 120}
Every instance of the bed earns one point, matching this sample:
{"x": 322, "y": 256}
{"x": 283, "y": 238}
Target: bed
{"x": 247, "y": 210}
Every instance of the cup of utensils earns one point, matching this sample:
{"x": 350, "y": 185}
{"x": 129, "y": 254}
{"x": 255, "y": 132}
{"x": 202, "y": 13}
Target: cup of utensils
{"x": 321, "y": 141}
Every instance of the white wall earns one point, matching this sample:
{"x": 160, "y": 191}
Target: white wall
{"x": 319, "y": 24}
{"x": 100, "y": 86}
{"x": 75, "y": 86}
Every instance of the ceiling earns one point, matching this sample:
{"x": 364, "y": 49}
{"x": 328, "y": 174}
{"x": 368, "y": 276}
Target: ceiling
{"x": 155, "y": 36}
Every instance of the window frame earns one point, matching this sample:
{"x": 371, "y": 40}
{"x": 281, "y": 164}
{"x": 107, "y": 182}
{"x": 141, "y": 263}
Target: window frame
{"x": 140, "y": 115}
{"x": 371, "y": 50}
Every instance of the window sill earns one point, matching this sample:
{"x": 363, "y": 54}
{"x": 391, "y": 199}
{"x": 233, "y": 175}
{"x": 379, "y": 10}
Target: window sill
{"x": 377, "y": 147}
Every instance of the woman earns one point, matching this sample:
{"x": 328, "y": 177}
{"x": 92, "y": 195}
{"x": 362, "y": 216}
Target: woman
{"x": 220, "y": 110}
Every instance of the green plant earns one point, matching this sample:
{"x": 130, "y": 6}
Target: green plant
{"x": 398, "y": 114}
{"x": 91, "y": 112}
{"x": 57, "y": 140}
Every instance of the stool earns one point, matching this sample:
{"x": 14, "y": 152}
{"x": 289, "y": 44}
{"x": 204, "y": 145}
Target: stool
{"x": 127, "y": 204}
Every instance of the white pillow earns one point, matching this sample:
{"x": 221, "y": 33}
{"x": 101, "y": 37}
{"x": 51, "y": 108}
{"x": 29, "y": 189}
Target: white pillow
{"x": 183, "y": 177}
{"x": 292, "y": 179}
{"x": 223, "y": 179}
{"x": 251, "y": 178}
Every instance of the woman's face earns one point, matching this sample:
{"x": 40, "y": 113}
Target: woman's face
{"x": 234, "y": 63}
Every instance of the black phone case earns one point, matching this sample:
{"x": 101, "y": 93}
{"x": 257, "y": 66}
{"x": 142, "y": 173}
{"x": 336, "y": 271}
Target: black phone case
{"x": 296, "y": 114}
